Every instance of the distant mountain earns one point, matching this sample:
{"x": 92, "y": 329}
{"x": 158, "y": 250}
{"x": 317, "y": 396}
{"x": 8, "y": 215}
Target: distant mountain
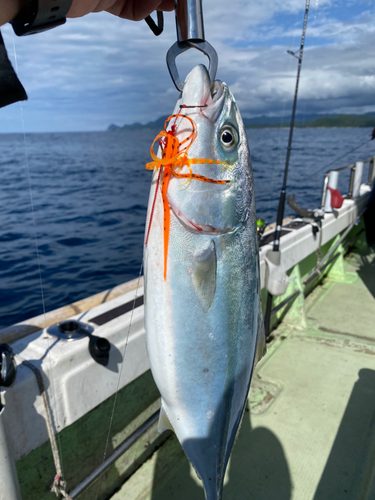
{"x": 272, "y": 120}
{"x": 313, "y": 121}
{"x": 302, "y": 121}
{"x": 158, "y": 122}
{"x": 344, "y": 121}
{"x": 113, "y": 127}
{"x": 155, "y": 124}
{"x": 133, "y": 125}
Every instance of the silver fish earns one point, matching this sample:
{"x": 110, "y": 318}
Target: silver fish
{"x": 203, "y": 319}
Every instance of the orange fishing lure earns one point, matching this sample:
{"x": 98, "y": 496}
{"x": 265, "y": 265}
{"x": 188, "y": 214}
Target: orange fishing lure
{"x": 174, "y": 159}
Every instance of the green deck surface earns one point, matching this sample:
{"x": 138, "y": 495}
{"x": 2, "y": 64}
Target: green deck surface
{"x": 310, "y": 431}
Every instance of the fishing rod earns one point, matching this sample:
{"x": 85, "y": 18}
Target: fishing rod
{"x": 281, "y": 208}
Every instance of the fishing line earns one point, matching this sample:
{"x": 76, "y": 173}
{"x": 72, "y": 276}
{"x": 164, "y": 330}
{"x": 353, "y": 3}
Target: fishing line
{"x": 281, "y": 126}
{"x": 127, "y": 340}
{"x": 183, "y": 106}
{"x": 119, "y": 379}
{"x": 282, "y": 197}
{"x": 339, "y": 158}
{"x": 284, "y": 105}
{"x": 316, "y": 8}
{"x": 39, "y": 266}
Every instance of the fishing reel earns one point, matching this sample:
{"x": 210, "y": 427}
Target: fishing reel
{"x": 261, "y": 226}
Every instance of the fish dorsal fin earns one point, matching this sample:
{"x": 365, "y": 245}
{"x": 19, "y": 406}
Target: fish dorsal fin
{"x": 261, "y": 348}
{"x": 204, "y": 276}
{"x": 164, "y": 422}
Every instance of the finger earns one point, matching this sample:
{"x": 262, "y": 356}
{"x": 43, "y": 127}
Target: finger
{"x": 80, "y": 8}
{"x": 136, "y": 10}
{"x": 167, "y": 5}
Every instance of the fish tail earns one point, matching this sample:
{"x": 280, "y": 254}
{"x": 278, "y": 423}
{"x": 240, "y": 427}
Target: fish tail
{"x": 213, "y": 491}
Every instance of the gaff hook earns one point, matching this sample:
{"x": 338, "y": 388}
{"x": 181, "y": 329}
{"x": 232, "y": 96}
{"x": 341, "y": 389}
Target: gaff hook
{"x": 190, "y": 34}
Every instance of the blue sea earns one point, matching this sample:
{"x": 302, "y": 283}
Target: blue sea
{"x": 73, "y": 205}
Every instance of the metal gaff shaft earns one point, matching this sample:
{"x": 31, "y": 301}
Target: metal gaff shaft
{"x": 281, "y": 208}
{"x": 189, "y": 21}
{"x": 190, "y": 34}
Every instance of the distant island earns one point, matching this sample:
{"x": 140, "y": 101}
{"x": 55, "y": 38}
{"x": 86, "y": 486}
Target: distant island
{"x": 302, "y": 121}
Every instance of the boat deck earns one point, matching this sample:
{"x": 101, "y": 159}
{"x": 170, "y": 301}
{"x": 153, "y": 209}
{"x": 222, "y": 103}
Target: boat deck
{"x": 309, "y": 430}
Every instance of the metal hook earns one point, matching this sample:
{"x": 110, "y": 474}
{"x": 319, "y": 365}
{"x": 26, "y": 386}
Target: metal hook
{"x": 180, "y": 47}
{"x": 190, "y": 34}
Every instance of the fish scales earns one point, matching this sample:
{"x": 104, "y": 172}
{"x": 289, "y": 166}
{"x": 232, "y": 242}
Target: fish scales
{"x": 203, "y": 319}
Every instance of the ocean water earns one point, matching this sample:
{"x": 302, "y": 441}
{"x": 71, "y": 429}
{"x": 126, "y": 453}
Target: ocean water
{"x": 73, "y": 205}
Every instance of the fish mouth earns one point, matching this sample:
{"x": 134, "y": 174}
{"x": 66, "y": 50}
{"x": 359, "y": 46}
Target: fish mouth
{"x": 195, "y": 228}
{"x": 202, "y": 96}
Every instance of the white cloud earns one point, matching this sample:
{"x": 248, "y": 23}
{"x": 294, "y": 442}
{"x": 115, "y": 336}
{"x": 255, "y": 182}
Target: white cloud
{"x": 100, "y": 69}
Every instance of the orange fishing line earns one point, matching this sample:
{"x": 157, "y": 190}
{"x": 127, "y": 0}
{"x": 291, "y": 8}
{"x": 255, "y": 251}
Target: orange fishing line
{"x": 174, "y": 158}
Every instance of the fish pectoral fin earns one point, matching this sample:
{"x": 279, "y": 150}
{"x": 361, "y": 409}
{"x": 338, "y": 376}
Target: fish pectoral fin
{"x": 164, "y": 422}
{"x": 204, "y": 276}
{"x": 261, "y": 338}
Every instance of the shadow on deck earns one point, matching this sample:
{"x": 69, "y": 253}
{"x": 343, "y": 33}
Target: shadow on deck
{"x": 266, "y": 477}
{"x": 316, "y": 438}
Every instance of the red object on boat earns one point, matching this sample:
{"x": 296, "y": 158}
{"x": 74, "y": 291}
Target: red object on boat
{"x": 336, "y": 199}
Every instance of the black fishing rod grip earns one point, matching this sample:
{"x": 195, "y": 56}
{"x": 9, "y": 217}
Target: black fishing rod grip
{"x": 279, "y": 220}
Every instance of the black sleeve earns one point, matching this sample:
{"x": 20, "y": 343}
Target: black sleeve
{"x": 11, "y": 89}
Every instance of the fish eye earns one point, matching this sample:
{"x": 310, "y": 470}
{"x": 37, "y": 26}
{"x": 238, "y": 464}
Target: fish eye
{"x": 228, "y": 138}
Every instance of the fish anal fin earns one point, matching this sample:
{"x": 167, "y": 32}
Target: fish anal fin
{"x": 204, "y": 276}
{"x": 164, "y": 422}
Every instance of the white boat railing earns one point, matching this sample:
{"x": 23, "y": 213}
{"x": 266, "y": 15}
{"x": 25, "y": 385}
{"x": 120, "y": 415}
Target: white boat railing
{"x": 74, "y": 370}
{"x": 356, "y": 174}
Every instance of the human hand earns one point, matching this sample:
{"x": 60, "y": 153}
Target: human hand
{"x": 135, "y": 10}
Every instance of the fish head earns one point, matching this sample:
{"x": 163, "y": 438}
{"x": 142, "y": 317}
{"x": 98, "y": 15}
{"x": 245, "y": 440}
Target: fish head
{"x": 206, "y": 207}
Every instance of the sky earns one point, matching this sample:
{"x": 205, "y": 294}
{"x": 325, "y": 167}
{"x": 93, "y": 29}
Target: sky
{"x": 99, "y": 69}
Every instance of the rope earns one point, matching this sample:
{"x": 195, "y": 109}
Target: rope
{"x": 59, "y": 484}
